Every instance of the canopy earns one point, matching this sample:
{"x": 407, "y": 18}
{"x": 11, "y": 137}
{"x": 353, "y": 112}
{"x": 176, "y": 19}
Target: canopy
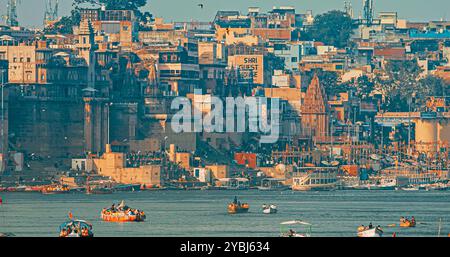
{"x": 76, "y": 223}
{"x": 295, "y": 222}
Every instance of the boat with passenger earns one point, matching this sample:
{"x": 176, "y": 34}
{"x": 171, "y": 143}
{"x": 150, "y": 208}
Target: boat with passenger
{"x": 238, "y": 207}
{"x": 370, "y": 231}
{"x": 122, "y": 213}
{"x": 56, "y": 189}
{"x": 75, "y": 228}
{"x": 286, "y": 228}
{"x": 99, "y": 190}
{"x": 407, "y": 223}
{"x": 269, "y": 208}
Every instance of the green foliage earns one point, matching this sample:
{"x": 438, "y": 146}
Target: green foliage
{"x": 117, "y": 4}
{"x": 402, "y": 82}
{"x": 332, "y": 28}
{"x": 65, "y": 24}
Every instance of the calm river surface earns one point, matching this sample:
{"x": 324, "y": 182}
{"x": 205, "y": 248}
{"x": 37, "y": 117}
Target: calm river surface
{"x": 203, "y": 213}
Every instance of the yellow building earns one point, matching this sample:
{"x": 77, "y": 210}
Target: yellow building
{"x": 113, "y": 165}
{"x": 219, "y": 171}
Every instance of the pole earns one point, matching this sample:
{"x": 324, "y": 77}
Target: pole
{"x": 409, "y": 127}
{"x": 3, "y": 117}
{"x": 2, "y": 133}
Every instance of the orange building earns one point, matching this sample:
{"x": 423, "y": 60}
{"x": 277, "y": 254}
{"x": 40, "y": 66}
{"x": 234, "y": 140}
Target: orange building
{"x": 315, "y": 120}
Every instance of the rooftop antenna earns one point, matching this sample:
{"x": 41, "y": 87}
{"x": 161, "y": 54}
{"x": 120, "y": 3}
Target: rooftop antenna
{"x": 51, "y": 10}
{"x": 348, "y": 8}
{"x": 368, "y": 12}
{"x": 11, "y": 13}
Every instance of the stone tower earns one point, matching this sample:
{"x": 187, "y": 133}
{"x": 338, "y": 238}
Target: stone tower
{"x": 96, "y": 107}
{"x": 315, "y": 111}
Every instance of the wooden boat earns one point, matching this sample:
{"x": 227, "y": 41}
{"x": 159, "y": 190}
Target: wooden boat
{"x": 369, "y": 232}
{"x": 405, "y": 223}
{"x": 269, "y": 208}
{"x": 99, "y": 190}
{"x": 123, "y": 216}
{"x": 56, "y": 189}
{"x": 75, "y": 228}
{"x": 287, "y": 231}
{"x": 7, "y": 234}
{"x": 122, "y": 213}
{"x": 128, "y": 188}
{"x": 234, "y": 208}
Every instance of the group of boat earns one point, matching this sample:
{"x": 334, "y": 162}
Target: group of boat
{"x": 237, "y": 207}
{"x": 81, "y": 228}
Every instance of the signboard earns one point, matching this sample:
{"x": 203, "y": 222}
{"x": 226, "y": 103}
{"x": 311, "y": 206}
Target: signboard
{"x": 249, "y": 66}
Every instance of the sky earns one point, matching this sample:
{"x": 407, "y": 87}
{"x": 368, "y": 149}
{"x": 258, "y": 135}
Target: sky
{"x": 31, "y": 12}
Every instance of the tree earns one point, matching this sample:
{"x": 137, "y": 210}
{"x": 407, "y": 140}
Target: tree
{"x": 364, "y": 87}
{"x": 332, "y": 28}
{"x": 65, "y": 24}
{"x": 402, "y": 82}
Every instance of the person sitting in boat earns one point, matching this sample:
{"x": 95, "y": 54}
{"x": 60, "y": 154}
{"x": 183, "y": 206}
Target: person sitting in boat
{"x": 379, "y": 228}
{"x": 122, "y": 206}
{"x": 85, "y": 232}
{"x": 113, "y": 207}
{"x": 413, "y": 220}
{"x": 291, "y": 233}
{"x": 235, "y": 200}
{"x": 370, "y": 225}
{"x": 402, "y": 219}
{"x": 63, "y": 233}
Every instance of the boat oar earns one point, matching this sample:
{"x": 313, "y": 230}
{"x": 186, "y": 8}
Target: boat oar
{"x": 391, "y": 225}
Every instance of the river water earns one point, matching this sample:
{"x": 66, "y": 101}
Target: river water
{"x": 203, "y": 213}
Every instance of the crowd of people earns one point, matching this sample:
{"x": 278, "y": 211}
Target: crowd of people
{"x": 122, "y": 208}
{"x": 75, "y": 230}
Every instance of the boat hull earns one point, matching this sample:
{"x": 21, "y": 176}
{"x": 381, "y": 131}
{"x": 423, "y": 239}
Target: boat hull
{"x": 322, "y": 187}
{"x": 234, "y": 208}
{"x": 407, "y": 224}
{"x": 373, "y": 232}
{"x": 270, "y": 211}
{"x": 122, "y": 218}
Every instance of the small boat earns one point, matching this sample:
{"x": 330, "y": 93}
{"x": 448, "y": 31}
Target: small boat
{"x": 406, "y": 223}
{"x": 99, "y": 190}
{"x": 128, "y": 188}
{"x": 6, "y": 234}
{"x": 75, "y": 228}
{"x": 122, "y": 213}
{"x": 56, "y": 189}
{"x": 269, "y": 208}
{"x": 369, "y": 232}
{"x": 410, "y": 188}
{"x": 237, "y": 207}
{"x": 287, "y": 231}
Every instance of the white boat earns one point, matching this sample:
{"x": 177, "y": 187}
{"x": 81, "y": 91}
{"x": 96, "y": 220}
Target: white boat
{"x": 286, "y": 232}
{"x": 371, "y": 232}
{"x": 272, "y": 184}
{"x": 315, "y": 179}
{"x": 269, "y": 208}
{"x": 410, "y": 189}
